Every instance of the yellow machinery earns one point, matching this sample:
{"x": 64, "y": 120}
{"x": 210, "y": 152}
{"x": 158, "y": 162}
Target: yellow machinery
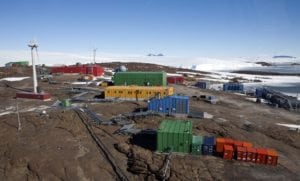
{"x": 137, "y": 92}
{"x": 104, "y": 84}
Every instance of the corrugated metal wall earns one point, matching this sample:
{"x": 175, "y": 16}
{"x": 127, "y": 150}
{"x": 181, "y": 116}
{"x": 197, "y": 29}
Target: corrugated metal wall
{"x": 232, "y": 86}
{"x": 137, "y": 92}
{"x": 175, "y": 136}
{"x": 202, "y": 85}
{"x": 170, "y": 105}
{"x": 175, "y": 79}
{"x": 82, "y": 69}
{"x": 140, "y": 78}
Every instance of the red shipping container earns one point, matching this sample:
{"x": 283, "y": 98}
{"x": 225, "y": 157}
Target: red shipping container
{"x": 175, "y": 79}
{"x": 237, "y": 143}
{"x": 247, "y": 144}
{"x": 32, "y": 95}
{"x": 251, "y": 154}
{"x": 261, "y": 155}
{"x": 241, "y": 153}
{"x": 220, "y": 142}
{"x": 228, "y": 152}
{"x": 272, "y": 157}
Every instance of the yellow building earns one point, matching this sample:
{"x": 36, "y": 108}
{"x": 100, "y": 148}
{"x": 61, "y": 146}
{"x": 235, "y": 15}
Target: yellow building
{"x": 137, "y": 92}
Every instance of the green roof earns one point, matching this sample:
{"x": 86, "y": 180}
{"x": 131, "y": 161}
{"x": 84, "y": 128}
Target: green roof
{"x": 176, "y": 126}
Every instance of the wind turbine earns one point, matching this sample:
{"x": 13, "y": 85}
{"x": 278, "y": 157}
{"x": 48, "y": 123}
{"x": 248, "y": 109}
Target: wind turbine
{"x": 36, "y": 94}
{"x": 33, "y": 45}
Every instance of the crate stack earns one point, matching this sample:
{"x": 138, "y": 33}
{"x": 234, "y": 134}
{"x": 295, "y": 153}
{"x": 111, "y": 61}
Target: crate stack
{"x": 176, "y": 136}
{"x": 244, "y": 151}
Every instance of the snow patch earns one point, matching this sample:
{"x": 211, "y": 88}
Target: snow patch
{"x": 12, "y": 79}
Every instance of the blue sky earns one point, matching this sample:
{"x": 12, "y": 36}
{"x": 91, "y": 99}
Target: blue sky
{"x": 211, "y": 28}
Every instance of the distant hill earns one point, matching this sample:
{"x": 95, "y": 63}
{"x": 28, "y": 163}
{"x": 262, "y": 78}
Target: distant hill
{"x": 155, "y": 55}
{"x": 283, "y": 56}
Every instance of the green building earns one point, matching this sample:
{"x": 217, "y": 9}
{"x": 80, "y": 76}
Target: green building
{"x": 174, "y": 136}
{"x": 140, "y": 78}
{"x": 18, "y": 63}
{"x": 22, "y": 63}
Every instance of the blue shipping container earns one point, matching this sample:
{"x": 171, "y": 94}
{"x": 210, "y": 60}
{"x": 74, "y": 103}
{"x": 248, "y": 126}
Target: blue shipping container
{"x": 170, "y": 105}
{"x": 259, "y": 92}
{"x": 208, "y": 147}
{"x": 202, "y": 85}
{"x": 232, "y": 86}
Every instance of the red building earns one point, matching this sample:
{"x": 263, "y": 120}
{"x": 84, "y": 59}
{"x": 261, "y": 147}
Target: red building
{"x": 175, "y": 79}
{"x": 95, "y": 70}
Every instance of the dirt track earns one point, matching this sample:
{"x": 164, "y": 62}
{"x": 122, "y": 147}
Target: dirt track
{"x": 57, "y": 146}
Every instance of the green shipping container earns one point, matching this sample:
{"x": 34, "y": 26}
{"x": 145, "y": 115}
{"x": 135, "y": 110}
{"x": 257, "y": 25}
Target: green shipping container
{"x": 197, "y": 145}
{"x": 140, "y": 78}
{"x": 174, "y": 136}
{"x": 66, "y": 103}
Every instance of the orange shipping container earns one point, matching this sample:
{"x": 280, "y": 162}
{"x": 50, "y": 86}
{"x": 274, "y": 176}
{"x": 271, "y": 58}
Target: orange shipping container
{"x": 247, "y": 144}
{"x": 241, "y": 153}
{"x": 261, "y": 155}
{"x": 219, "y": 145}
{"x": 272, "y": 157}
{"x": 251, "y": 154}
{"x": 229, "y": 141}
{"x": 228, "y": 152}
{"x": 237, "y": 144}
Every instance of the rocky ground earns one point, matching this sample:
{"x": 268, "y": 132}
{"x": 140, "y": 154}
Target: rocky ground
{"x": 56, "y": 144}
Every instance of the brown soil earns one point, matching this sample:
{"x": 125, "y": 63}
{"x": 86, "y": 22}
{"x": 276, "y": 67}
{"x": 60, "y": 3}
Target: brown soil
{"x": 57, "y": 146}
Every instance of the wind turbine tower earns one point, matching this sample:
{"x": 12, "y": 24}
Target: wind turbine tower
{"x": 33, "y": 45}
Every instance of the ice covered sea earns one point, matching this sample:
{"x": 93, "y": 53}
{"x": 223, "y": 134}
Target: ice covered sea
{"x": 287, "y": 83}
